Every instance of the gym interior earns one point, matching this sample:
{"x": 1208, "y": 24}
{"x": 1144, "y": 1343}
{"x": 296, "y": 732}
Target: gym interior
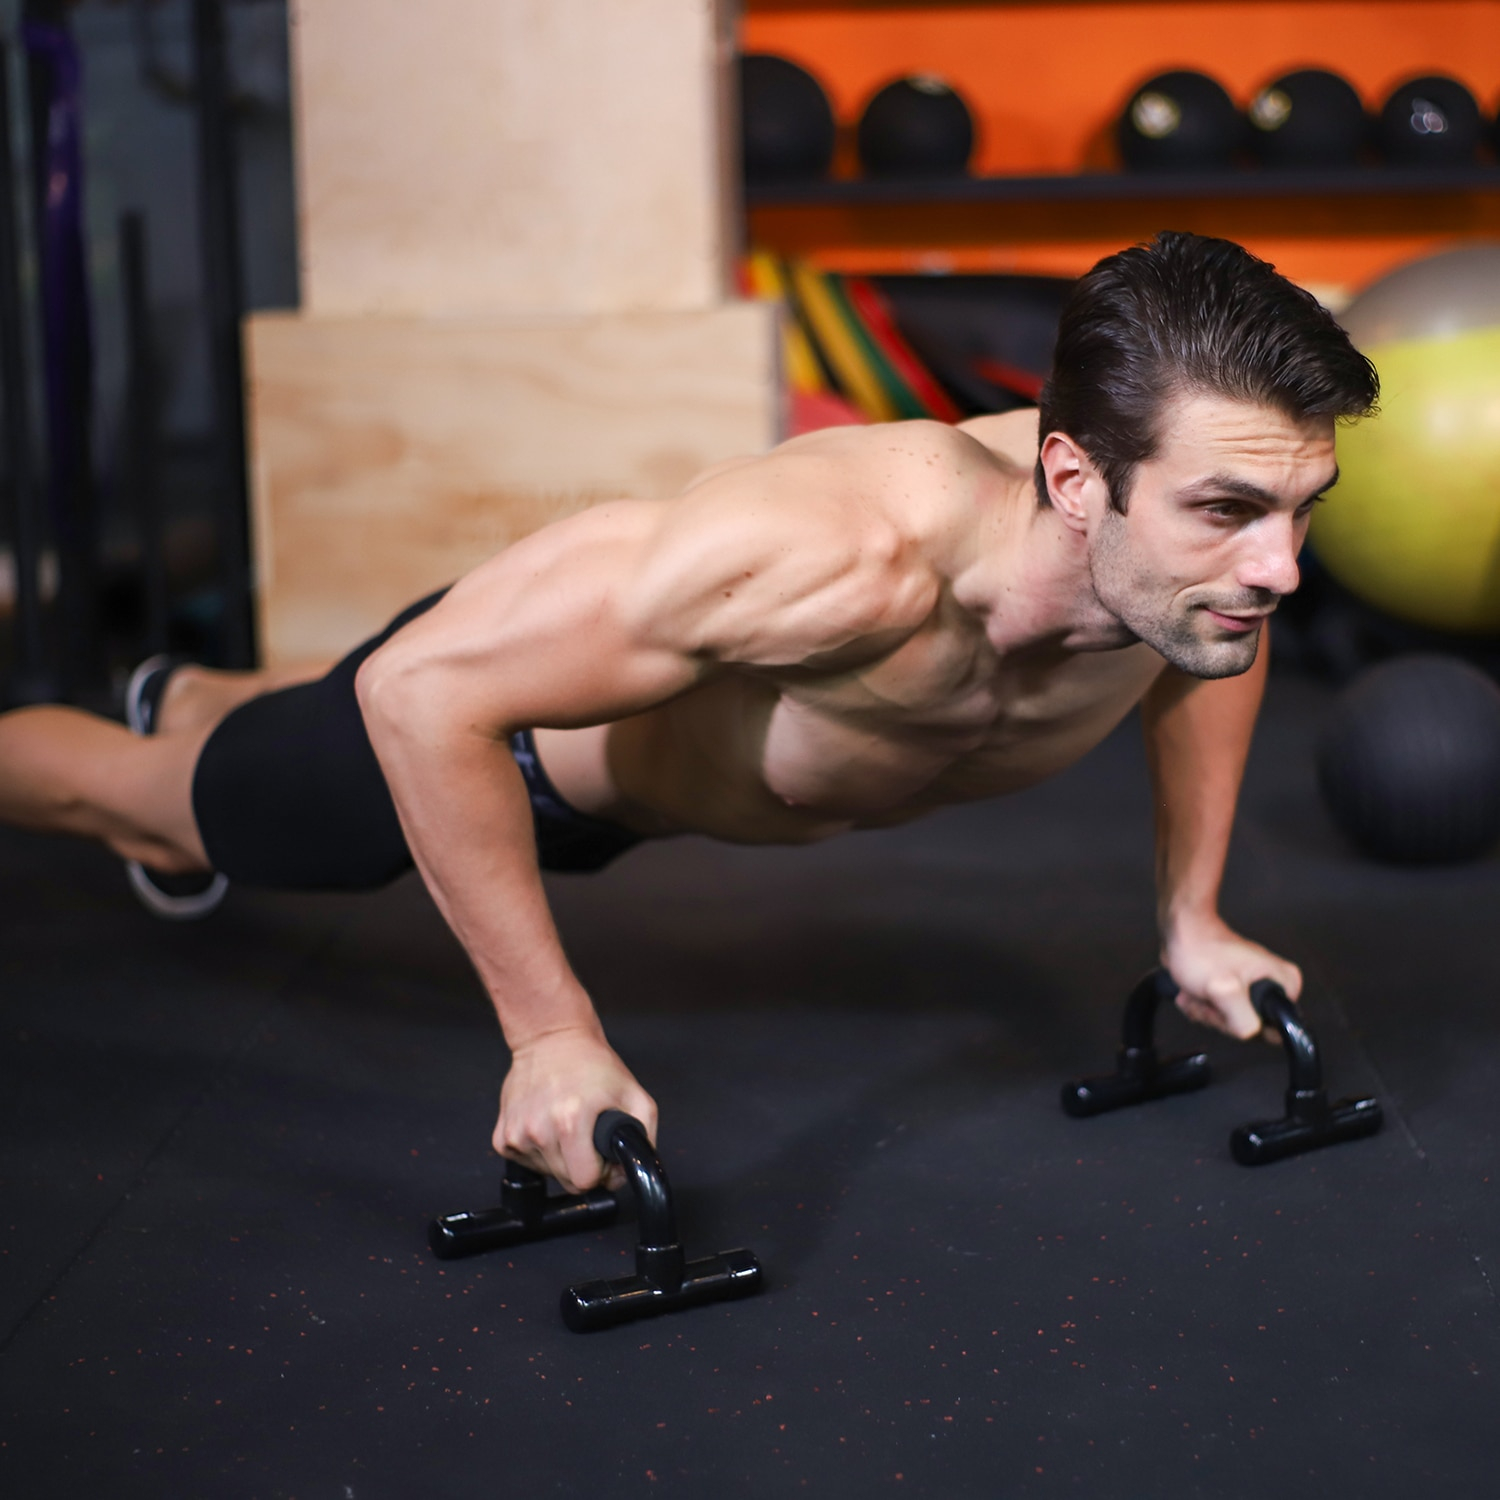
{"x": 307, "y": 308}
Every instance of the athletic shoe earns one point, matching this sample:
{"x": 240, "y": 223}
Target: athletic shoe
{"x": 143, "y": 695}
{"x": 178, "y": 898}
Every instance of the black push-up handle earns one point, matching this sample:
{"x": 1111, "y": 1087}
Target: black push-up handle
{"x": 664, "y": 1280}
{"x": 526, "y": 1212}
{"x": 1310, "y": 1122}
{"x": 1140, "y": 1074}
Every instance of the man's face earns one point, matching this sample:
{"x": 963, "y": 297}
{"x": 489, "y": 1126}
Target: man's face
{"x": 1213, "y": 526}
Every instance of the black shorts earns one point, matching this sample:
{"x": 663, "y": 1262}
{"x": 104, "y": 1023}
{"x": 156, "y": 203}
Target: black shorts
{"x": 288, "y": 793}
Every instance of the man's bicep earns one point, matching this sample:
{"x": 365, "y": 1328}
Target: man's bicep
{"x": 1169, "y": 686}
{"x": 1211, "y": 694}
{"x": 537, "y": 637}
{"x": 1195, "y": 724}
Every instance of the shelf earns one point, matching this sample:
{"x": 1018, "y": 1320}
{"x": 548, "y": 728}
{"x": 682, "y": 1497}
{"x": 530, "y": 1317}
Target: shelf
{"x": 1119, "y": 187}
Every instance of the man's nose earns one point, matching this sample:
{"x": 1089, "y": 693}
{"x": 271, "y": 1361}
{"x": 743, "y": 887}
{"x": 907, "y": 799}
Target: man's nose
{"x": 1271, "y": 564}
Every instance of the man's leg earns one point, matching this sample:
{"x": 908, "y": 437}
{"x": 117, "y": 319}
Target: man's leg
{"x": 66, "y": 771}
{"x": 275, "y": 766}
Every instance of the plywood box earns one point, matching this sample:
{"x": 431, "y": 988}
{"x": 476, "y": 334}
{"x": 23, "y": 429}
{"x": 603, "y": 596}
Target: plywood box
{"x": 481, "y": 156}
{"x": 390, "y": 455}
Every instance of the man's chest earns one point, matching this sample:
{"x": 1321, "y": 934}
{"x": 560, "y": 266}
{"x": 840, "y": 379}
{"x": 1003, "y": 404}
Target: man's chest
{"x": 947, "y": 720}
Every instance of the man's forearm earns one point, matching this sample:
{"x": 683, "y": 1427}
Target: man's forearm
{"x": 1197, "y": 740}
{"x": 467, "y": 817}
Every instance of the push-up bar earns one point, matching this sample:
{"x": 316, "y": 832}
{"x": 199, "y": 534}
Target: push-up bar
{"x": 1311, "y": 1119}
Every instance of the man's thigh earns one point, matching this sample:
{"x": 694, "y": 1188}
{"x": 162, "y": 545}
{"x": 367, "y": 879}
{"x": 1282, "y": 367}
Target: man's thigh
{"x": 287, "y": 792}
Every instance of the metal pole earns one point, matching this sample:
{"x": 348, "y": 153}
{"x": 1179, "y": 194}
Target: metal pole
{"x": 56, "y": 98}
{"x": 139, "y": 447}
{"x": 30, "y": 682}
{"x": 219, "y": 243}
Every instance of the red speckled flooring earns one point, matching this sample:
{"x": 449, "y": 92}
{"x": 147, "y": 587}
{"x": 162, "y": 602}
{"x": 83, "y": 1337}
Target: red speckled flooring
{"x": 219, "y": 1146}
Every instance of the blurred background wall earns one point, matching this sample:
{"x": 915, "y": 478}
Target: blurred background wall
{"x": 404, "y": 282}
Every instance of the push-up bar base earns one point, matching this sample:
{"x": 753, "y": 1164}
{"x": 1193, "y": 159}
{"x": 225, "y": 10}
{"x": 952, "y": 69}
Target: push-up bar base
{"x": 526, "y": 1212}
{"x": 665, "y": 1280}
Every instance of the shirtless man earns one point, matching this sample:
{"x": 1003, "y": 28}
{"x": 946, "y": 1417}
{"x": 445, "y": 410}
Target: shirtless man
{"x": 849, "y": 632}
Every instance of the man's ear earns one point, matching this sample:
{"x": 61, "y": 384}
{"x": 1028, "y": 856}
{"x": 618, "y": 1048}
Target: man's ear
{"x": 1074, "y": 485}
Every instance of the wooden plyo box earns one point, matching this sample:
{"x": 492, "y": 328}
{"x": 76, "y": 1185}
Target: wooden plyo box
{"x": 504, "y": 156}
{"x": 391, "y": 455}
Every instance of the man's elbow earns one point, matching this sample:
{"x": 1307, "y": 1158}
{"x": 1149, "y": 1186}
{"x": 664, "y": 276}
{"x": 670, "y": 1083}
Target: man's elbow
{"x": 410, "y": 697}
{"x": 388, "y": 689}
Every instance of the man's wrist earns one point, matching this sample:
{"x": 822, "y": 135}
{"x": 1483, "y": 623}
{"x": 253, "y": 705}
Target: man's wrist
{"x": 566, "y": 1011}
{"x": 1184, "y": 920}
{"x": 590, "y": 1034}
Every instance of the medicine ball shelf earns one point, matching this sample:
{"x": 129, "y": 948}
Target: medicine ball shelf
{"x": 1120, "y": 187}
{"x": 1046, "y": 81}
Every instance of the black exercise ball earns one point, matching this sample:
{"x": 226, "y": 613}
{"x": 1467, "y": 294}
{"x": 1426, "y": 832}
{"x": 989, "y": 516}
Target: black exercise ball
{"x": 786, "y": 123}
{"x": 1180, "y": 122}
{"x": 1432, "y": 121}
{"x": 1311, "y": 118}
{"x": 916, "y": 127}
{"x": 1409, "y": 761}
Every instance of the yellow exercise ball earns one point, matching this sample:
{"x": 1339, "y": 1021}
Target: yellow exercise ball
{"x": 1413, "y": 526}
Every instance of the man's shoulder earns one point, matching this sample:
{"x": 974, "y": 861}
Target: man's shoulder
{"x": 834, "y": 488}
{"x": 915, "y": 478}
{"x": 797, "y": 553}
{"x": 883, "y": 443}
{"x": 1010, "y": 436}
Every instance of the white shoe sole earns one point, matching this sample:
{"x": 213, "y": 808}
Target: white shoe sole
{"x": 157, "y": 901}
{"x": 174, "y": 908}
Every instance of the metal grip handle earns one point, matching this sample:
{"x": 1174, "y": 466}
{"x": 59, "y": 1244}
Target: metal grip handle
{"x": 1282, "y": 1014}
{"x": 605, "y": 1127}
{"x": 619, "y": 1137}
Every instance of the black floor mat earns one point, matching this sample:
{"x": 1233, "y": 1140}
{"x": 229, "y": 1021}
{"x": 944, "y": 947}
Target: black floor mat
{"x": 221, "y": 1143}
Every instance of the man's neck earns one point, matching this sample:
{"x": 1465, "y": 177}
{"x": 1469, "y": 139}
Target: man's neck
{"x": 1029, "y": 580}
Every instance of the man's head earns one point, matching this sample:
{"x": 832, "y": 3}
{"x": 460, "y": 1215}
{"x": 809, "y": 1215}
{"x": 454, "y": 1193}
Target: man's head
{"x": 1187, "y": 428}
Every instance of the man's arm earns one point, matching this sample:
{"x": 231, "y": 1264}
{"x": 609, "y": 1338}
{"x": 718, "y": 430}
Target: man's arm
{"x": 1197, "y": 739}
{"x": 592, "y": 620}
{"x": 524, "y": 640}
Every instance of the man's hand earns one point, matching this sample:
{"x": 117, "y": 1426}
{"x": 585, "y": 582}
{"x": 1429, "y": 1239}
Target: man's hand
{"x": 558, "y": 1085}
{"x": 1214, "y": 968}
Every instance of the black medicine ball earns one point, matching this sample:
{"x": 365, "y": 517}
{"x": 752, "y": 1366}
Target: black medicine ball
{"x": 1311, "y": 118}
{"x": 1409, "y": 761}
{"x": 786, "y": 123}
{"x": 916, "y": 127}
{"x": 1430, "y": 121}
{"x": 1179, "y": 122}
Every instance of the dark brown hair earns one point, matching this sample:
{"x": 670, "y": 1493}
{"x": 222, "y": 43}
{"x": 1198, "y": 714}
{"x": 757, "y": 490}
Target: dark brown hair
{"x": 1185, "y": 313}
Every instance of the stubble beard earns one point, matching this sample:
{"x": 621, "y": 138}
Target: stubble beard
{"x": 1175, "y": 626}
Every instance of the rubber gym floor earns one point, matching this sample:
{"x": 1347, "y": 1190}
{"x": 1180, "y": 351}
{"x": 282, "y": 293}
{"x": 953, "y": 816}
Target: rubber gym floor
{"x": 222, "y": 1142}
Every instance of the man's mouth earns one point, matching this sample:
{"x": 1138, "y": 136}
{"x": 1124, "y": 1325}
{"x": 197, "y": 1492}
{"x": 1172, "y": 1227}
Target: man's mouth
{"x": 1238, "y": 624}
